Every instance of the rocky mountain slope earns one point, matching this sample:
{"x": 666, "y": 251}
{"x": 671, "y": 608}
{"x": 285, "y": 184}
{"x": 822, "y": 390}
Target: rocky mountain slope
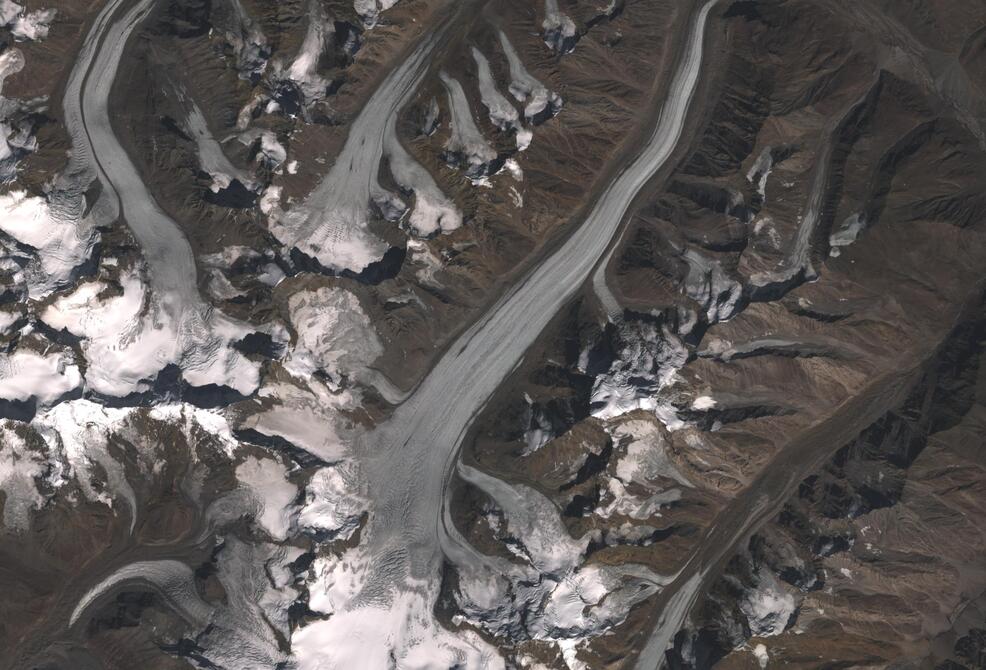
{"x": 492, "y": 334}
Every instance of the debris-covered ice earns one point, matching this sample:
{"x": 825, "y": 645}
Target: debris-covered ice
{"x": 466, "y": 147}
{"x": 369, "y": 10}
{"x": 541, "y": 104}
{"x": 559, "y": 30}
{"x": 25, "y": 25}
{"x": 45, "y": 377}
{"x": 245, "y": 37}
{"x": 58, "y": 246}
{"x": 16, "y": 124}
{"x": 502, "y": 113}
{"x": 21, "y": 467}
{"x": 332, "y": 334}
{"x": 129, "y": 336}
{"x": 851, "y": 228}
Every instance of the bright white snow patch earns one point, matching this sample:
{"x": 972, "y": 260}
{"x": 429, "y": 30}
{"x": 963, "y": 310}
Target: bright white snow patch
{"x": 768, "y": 607}
{"x": 760, "y": 652}
{"x": 8, "y": 319}
{"x": 334, "y": 334}
{"x": 431, "y": 264}
{"x": 847, "y": 233}
{"x": 304, "y": 70}
{"x": 647, "y": 362}
{"x": 541, "y": 103}
{"x": 433, "y": 213}
{"x": 198, "y": 421}
{"x": 9, "y": 11}
{"x": 25, "y": 25}
{"x": 502, "y": 113}
{"x": 760, "y": 171}
{"x": 229, "y": 257}
{"x": 61, "y": 246}
{"x": 273, "y": 151}
{"x": 703, "y": 402}
{"x": 270, "y": 201}
{"x": 212, "y": 159}
{"x": 466, "y": 146}
{"x": 11, "y": 62}
{"x": 75, "y": 448}
{"x": 129, "y": 338}
{"x": 513, "y": 167}
{"x": 646, "y": 455}
{"x": 124, "y": 348}
{"x": 77, "y": 433}
{"x": 554, "y": 596}
{"x": 332, "y": 502}
{"x": 267, "y": 479}
{"x": 392, "y": 630}
{"x": 369, "y": 10}
{"x": 46, "y": 377}
{"x": 305, "y": 417}
{"x": 644, "y": 462}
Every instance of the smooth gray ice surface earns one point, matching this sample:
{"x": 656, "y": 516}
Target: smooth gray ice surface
{"x": 332, "y": 224}
{"x": 411, "y": 457}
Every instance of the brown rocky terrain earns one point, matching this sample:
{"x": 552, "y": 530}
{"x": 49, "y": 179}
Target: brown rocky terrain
{"x": 768, "y": 402}
{"x": 419, "y": 299}
{"x": 808, "y": 104}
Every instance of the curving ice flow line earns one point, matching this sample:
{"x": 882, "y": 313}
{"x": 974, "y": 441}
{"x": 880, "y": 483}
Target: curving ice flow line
{"x": 173, "y": 580}
{"x": 166, "y": 250}
{"x": 201, "y": 337}
{"x": 410, "y": 458}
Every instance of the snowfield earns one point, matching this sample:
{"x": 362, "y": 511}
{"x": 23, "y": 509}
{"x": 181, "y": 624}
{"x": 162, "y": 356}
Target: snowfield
{"x": 129, "y": 338}
{"x": 26, "y": 374}
{"x": 25, "y": 25}
{"x": 330, "y": 540}
{"x": 333, "y": 334}
{"x": 59, "y": 246}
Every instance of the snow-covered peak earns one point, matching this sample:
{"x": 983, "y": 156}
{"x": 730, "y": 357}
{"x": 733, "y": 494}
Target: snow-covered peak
{"x": 25, "y": 25}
